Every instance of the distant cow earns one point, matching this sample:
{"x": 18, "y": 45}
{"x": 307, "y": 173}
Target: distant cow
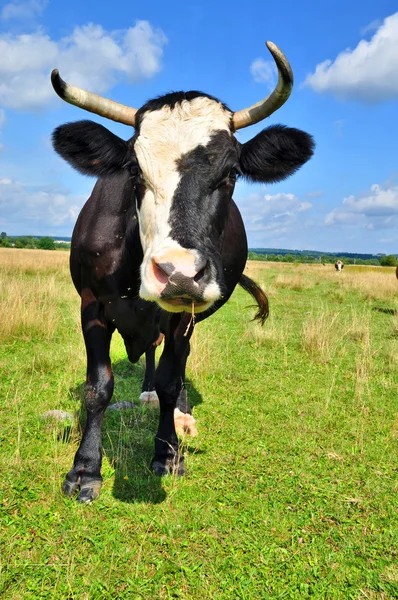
{"x": 160, "y": 244}
{"x": 339, "y": 265}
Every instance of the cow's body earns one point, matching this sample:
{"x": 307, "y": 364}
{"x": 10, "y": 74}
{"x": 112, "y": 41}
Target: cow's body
{"x": 160, "y": 239}
{"x": 339, "y": 265}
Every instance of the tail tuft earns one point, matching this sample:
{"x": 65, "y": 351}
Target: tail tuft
{"x": 257, "y": 293}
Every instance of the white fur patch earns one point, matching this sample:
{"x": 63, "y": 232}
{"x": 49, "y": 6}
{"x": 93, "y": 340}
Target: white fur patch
{"x": 212, "y": 292}
{"x": 184, "y": 423}
{"x": 150, "y": 398}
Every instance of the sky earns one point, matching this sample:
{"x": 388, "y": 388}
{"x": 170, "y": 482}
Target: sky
{"x": 344, "y": 57}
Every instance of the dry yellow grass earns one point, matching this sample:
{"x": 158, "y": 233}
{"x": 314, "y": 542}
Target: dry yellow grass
{"x": 373, "y": 283}
{"x": 272, "y": 332}
{"x": 322, "y": 335}
{"x": 296, "y": 282}
{"x": 33, "y": 284}
{"x": 358, "y": 325}
{"x": 201, "y": 353}
{"x": 204, "y": 357}
{"x": 34, "y": 261}
{"x": 325, "y": 331}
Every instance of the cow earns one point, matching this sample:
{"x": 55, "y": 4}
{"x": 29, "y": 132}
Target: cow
{"x": 160, "y": 244}
{"x": 339, "y": 266}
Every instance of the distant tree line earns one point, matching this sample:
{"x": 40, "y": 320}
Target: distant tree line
{"x": 312, "y": 258}
{"x": 296, "y": 256}
{"x": 31, "y": 242}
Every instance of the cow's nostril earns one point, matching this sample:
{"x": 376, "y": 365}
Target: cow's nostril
{"x": 200, "y": 274}
{"x": 160, "y": 272}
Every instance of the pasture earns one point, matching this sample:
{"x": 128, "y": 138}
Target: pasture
{"x": 291, "y": 485}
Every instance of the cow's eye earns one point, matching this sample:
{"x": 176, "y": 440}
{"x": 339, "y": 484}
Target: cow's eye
{"x": 135, "y": 170}
{"x": 232, "y": 175}
{"x": 229, "y": 179}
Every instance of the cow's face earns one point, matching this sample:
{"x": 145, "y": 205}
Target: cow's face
{"x": 184, "y": 159}
{"x": 188, "y": 160}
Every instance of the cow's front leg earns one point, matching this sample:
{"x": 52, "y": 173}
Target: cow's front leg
{"x": 86, "y": 472}
{"x": 169, "y": 384}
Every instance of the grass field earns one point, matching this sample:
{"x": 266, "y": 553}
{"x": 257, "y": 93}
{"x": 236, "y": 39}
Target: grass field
{"x": 291, "y": 485}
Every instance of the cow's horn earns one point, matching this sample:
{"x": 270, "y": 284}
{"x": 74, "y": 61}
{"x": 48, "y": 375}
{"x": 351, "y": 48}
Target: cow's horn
{"x": 265, "y": 108}
{"x": 92, "y": 102}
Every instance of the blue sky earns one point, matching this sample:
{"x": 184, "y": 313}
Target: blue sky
{"x": 344, "y": 57}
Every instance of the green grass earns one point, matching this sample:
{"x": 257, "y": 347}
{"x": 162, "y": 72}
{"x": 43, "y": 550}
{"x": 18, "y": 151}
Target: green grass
{"x": 291, "y": 485}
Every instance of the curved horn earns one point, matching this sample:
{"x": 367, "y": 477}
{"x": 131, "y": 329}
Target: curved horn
{"x": 265, "y": 108}
{"x": 92, "y": 102}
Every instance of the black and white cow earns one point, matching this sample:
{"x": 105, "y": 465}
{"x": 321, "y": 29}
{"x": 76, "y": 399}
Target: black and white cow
{"x": 339, "y": 265}
{"x": 160, "y": 243}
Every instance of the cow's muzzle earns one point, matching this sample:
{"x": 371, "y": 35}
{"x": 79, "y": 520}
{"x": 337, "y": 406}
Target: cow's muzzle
{"x": 180, "y": 283}
{"x": 181, "y": 289}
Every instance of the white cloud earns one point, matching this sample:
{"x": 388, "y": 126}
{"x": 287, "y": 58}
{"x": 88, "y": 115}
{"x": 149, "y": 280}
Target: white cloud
{"x": 270, "y": 217}
{"x": 23, "y": 9}
{"x": 34, "y": 210}
{"x": 376, "y": 209}
{"x": 90, "y": 57}
{"x": 368, "y": 73}
{"x": 263, "y": 71}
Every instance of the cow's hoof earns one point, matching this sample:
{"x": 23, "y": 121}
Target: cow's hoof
{"x": 69, "y": 487}
{"x": 184, "y": 423}
{"x": 89, "y": 492}
{"x": 168, "y": 466}
{"x": 89, "y": 488}
{"x": 150, "y": 398}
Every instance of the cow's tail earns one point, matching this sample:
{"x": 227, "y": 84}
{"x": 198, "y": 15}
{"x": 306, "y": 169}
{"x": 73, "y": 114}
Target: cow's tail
{"x": 257, "y": 293}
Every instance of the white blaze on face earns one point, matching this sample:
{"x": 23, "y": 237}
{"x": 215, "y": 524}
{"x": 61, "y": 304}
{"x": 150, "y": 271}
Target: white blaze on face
{"x": 166, "y": 135}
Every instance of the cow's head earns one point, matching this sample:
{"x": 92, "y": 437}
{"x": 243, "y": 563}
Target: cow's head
{"x": 184, "y": 159}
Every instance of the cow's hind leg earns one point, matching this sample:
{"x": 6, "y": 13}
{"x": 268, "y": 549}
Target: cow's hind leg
{"x": 184, "y": 422}
{"x": 148, "y": 393}
{"x": 169, "y": 384}
{"x": 86, "y": 472}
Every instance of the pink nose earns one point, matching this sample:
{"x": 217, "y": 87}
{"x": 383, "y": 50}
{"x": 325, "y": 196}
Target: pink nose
{"x": 166, "y": 272}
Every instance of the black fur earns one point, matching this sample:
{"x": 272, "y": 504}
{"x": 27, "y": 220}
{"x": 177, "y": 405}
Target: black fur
{"x": 91, "y": 148}
{"x": 203, "y": 195}
{"x": 275, "y": 153}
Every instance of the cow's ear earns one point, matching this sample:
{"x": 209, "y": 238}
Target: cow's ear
{"x": 275, "y": 153}
{"x": 90, "y": 148}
